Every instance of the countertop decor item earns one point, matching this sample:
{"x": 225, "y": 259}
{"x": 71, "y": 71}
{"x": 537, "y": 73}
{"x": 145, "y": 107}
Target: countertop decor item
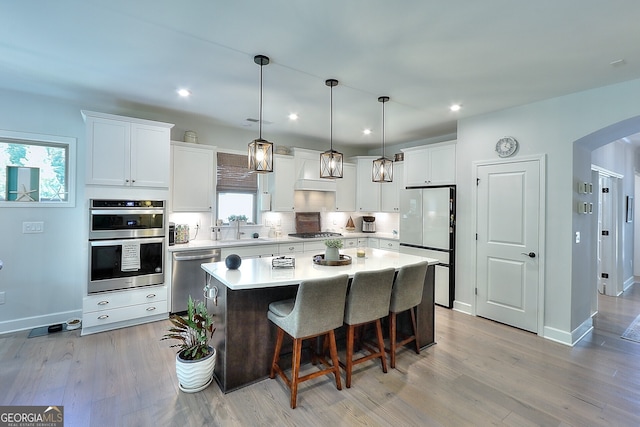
{"x": 342, "y": 260}
{"x": 196, "y": 359}
{"x": 332, "y": 252}
{"x": 350, "y": 225}
{"x": 233, "y": 261}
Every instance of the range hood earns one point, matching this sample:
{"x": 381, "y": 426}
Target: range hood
{"x": 309, "y": 178}
{"x": 315, "y": 184}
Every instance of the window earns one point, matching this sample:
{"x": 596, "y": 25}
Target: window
{"x": 36, "y": 169}
{"x": 236, "y": 188}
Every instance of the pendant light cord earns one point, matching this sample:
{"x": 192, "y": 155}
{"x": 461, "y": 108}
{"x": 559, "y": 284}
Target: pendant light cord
{"x": 331, "y": 119}
{"x": 260, "y": 113}
{"x": 383, "y": 128}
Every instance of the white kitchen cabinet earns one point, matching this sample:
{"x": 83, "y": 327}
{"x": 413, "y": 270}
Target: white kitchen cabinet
{"x": 128, "y": 152}
{"x": 250, "y": 251}
{"x": 433, "y": 164}
{"x": 193, "y": 177}
{"x": 281, "y": 183}
{"x": 113, "y": 310}
{"x": 346, "y": 189}
{"x": 388, "y": 245}
{"x": 373, "y": 242}
{"x": 367, "y": 191}
{"x": 350, "y": 243}
{"x": 290, "y": 248}
{"x": 316, "y": 245}
{"x": 390, "y": 191}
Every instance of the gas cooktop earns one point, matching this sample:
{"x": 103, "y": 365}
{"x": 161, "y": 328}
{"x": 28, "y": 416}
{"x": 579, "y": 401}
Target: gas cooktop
{"x": 313, "y": 235}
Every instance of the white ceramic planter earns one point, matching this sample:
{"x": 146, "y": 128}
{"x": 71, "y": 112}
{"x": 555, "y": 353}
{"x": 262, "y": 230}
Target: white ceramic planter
{"x": 331, "y": 254}
{"x": 195, "y": 375}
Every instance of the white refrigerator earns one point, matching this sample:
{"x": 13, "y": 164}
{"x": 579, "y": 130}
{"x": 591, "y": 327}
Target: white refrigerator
{"x": 427, "y": 228}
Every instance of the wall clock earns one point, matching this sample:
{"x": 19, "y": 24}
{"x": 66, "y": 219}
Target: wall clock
{"x": 506, "y": 146}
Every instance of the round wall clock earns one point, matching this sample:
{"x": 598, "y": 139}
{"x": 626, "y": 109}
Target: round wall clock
{"x": 506, "y": 146}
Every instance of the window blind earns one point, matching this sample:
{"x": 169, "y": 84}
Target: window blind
{"x": 234, "y": 175}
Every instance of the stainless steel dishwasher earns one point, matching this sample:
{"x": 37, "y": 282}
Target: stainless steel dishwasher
{"x": 187, "y": 277}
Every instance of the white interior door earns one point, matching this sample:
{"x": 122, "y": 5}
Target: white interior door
{"x": 508, "y": 205}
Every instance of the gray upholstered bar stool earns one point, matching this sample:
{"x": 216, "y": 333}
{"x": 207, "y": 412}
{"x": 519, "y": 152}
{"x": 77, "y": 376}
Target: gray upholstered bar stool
{"x": 406, "y": 295}
{"x": 367, "y": 301}
{"x": 317, "y": 309}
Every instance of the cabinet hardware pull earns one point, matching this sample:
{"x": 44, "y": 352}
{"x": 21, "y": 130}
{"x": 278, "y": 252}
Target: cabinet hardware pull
{"x": 151, "y": 296}
{"x": 103, "y": 302}
{"x": 104, "y": 316}
{"x": 150, "y": 308}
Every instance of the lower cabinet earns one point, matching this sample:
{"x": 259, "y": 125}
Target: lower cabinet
{"x": 118, "y": 309}
{"x": 256, "y": 251}
{"x": 290, "y": 248}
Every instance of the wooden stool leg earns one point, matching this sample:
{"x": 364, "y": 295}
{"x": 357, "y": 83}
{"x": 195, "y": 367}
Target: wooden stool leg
{"x": 334, "y": 358}
{"x": 415, "y": 329}
{"x": 295, "y": 370}
{"x": 349, "y": 364}
{"x": 276, "y": 353}
{"x": 392, "y": 338}
{"x": 383, "y": 358}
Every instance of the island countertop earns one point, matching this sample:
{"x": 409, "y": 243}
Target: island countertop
{"x": 255, "y": 273}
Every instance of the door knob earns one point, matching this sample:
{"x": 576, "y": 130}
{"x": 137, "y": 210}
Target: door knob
{"x": 530, "y": 254}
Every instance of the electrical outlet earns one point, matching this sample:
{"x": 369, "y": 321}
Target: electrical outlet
{"x": 32, "y": 227}
{"x": 2, "y": 297}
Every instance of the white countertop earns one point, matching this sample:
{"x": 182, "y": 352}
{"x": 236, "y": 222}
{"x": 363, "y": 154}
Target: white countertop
{"x": 212, "y": 244}
{"x": 257, "y": 272}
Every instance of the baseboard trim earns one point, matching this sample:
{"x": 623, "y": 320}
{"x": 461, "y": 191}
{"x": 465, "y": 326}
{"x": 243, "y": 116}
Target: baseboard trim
{"x": 462, "y": 307}
{"x": 37, "y": 321}
{"x": 627, "y": 283}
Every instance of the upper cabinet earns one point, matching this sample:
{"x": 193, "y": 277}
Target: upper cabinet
{"x": 367, "y": 191}
{"x": 433, "y": 164}
{"x": 390, "y": 191}
{"x": 193, "y": 177}
{"x": 124, "y": 151}
{"x": 346, "y": 189}
{"x": 281, "y": 183}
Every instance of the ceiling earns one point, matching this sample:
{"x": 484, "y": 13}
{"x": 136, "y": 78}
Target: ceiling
{"x": 424, "y": 54}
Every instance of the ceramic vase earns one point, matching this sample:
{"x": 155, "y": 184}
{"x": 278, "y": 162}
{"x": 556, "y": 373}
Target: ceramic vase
{"x": 195, "y": 375}
{"x": 332, "y": 254}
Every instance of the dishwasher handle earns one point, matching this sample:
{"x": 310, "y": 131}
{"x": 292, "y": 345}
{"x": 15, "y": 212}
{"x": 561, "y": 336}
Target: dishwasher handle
{"x": 179, "y": 256}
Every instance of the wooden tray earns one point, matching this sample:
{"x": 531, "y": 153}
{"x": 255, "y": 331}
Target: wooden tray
{"x": 344, "y": 260}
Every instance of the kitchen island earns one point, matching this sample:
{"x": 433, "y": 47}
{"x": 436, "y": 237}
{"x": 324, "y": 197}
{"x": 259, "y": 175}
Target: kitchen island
{"x": 244, "y": 337}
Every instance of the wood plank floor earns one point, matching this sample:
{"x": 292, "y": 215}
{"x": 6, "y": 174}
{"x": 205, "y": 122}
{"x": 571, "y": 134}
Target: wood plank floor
{"x": 479, "y": 373}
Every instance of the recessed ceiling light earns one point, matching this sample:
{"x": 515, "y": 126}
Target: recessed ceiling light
{"x": 293, "y": 116}
{"x": 367, "y": 131}
{"x": 184, "y": 92}
{"x": 455, "y": 107}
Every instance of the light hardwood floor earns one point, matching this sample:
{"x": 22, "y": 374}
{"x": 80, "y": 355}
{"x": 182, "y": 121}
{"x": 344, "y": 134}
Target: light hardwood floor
{"x": 479, "y": 373}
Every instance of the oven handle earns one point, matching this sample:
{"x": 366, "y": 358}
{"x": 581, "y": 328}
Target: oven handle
{"x": 141, "y": 240}
{"x": 127, "y": 211}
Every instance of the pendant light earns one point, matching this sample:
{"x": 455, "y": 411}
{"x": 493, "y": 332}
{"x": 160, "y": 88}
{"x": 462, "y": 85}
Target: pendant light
{"x": 331, "y": 160}
{"x": 260, "y": 150}
{"x": 382, "y": 167}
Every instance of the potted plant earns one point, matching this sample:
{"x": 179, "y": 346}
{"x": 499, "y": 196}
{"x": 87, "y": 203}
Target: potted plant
{"x": 196, "y": 359}
{"x": 239, "y": 218}
{"x": 332, "y": 252}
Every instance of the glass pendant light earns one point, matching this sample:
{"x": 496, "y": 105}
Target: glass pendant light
{"x": 260, "y": 150}
{"x": 382, "y": 167}
{"x": 331, "y": 160}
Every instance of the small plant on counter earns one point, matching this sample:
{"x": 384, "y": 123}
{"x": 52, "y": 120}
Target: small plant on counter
{"x": 193, "y": 332}
{"x": 237, "y": 218}
{"x": 333, "y": 243}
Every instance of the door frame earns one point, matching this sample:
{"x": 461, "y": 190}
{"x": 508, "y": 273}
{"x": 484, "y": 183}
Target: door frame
{"x": 542, "y": 230}
{"x": 618, "y": 222}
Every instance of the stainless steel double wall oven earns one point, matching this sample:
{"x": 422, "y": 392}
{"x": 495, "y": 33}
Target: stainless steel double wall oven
{"x": 126, "y": 244}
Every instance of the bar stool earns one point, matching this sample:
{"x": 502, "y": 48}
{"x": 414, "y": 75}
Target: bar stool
{"x": 367, "y": 302}
{"x": 406, "y": 295}
{"x": 317, "y": 309}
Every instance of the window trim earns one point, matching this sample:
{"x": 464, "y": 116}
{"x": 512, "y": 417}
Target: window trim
{"x": 43, "y": 139}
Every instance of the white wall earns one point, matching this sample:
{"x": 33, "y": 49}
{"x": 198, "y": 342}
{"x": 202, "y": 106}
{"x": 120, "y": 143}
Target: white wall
{"x": 548, "y": 127}
{"x": 44, "y": 276}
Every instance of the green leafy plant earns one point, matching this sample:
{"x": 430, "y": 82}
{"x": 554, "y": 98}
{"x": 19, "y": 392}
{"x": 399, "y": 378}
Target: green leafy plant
{"x": 193, "y": 332}
{"x": 333, "y": 243}
{"x": 237, "y": 218}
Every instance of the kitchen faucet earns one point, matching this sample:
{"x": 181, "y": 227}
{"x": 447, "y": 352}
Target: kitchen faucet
{"x": 238, "y": 233}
